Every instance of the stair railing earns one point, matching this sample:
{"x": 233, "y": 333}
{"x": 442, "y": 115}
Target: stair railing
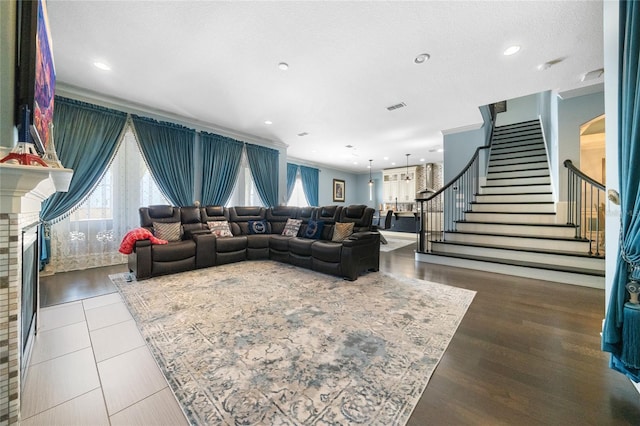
{"x": 438, "y": 212}
{"x": 586, "y": 207}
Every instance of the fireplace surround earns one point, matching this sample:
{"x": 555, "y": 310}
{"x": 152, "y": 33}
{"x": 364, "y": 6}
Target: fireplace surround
{"x": 22, "y": 190}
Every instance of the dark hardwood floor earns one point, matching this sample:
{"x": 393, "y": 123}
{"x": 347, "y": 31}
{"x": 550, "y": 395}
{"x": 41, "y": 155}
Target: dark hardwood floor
{"x": 527, "y": 352}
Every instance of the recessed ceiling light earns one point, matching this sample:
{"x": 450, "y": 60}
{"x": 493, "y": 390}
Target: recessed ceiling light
{"x": 511, "y": 50}
{"x": 440, "y": 150}
{"x": 421, "y": 58}
{"x": 393, "y": 164}
{"x": 386, "y": 158}
{"x": 102, "y": 66}
{"x": 268, "y": 122}
{"x": 355, "y": 162}
{"x": 283, "y": 66}
{"x": 422, "y": 159}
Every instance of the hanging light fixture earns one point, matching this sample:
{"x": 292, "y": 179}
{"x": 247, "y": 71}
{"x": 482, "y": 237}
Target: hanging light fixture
{"x": 370, "y": 183}
{"x": 407, "y": 178}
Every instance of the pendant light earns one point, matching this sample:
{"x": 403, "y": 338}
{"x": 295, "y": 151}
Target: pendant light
{"x": 370, "y": 183}
{"x": 407, "y": 178}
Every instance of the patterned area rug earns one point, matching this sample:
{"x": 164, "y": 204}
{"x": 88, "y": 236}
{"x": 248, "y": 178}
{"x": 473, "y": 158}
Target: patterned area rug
{"x": 395, "y": 243}
{"x": 266, "y": 343}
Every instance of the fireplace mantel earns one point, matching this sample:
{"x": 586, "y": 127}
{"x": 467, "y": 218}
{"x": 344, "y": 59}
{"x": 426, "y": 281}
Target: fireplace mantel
{"x": 23, "y": 188}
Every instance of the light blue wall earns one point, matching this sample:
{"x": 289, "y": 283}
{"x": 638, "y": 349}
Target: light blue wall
{"x": 353, "y": 191}
{"x": 458, "y": 150}
{"x": 572, "y": 113}
{"x": 520, "y": 109}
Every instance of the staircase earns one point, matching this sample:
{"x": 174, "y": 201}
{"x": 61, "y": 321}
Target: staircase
{"x": 510, "y": 224}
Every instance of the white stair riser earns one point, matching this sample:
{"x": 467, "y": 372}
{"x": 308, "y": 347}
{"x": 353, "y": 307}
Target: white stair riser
{"x": 535, "y": 243}
{"x": 510, "y": 208}
{"x": 517, "y": 174}
{"x": 540, "y": 274}
{"x": 538, "y": 180}
{"x": 515, "y": 188}
{"x": 516, "y": 146}
{"x": 536, "y": 231}
{"x": 517, "y": 167}
{"x": 513, "y": 198}
{"x": 525, "y": 256}
{"x": 500, "y": 155}
{"x": 511, "y": 218}
{"x": 508, "y": 161}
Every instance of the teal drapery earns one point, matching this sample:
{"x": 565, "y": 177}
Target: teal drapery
{"x": 263, "y": 163}
{"x": 292, "y": 171}
{"x": 628, "y": 157}
{"x": 310, "y": 177}
{"x": 86, "y": 138}
{"x": 221, "y": 157}
{"x": 168, "y": 151}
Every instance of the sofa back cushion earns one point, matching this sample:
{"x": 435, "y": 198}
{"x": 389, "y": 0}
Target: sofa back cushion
{"x": 328, "y": 214}
{"x": 360, "y": 215}
{"x": 211, "y": 213}
{"x": 191, "y": 218}
{"x": 277, "y": 217}
{"x": 239, "y": 218}
{"x": 160, "y": 214}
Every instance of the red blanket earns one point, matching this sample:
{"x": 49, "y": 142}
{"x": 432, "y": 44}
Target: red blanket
{"x": 129, "y": 240}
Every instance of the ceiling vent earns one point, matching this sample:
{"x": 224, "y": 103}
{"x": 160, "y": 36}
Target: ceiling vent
{"x": 396, "y": 106}
{"x": 303, "y": 134}
{"x": 592, "y": 75}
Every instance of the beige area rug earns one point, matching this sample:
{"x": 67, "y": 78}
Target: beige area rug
{"x": 395, "y": 243}
{"x": 266, "y": 343}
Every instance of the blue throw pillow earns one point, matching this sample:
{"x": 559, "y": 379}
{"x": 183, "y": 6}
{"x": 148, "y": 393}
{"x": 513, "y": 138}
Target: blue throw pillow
{"x": 314, "y": 229}
{"x": 257, "y": 227}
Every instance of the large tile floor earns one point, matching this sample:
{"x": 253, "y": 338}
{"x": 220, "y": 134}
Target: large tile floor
{"x": 90, "y": 366}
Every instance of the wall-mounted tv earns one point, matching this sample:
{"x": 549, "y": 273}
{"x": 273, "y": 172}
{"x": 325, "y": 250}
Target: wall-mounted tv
{"x": 35, "y": 72}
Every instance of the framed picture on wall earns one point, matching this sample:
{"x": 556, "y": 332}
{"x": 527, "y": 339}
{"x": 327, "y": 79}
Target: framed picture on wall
{"x": 338, "y": 190}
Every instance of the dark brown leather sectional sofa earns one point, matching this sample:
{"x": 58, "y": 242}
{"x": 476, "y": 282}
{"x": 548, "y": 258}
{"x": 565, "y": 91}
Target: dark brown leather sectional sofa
{"x": 199, "y": 248}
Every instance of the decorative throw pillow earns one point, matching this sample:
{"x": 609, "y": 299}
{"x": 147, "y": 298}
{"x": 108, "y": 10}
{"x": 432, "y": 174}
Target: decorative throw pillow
{"x": 257, "y": 227}
{"x": 342, "y": 231}
{"x": 292, "y": 227}
{"x": 314, "y": 229}
{"x": 168, "y": 231}
{"x": 220, "y": 228}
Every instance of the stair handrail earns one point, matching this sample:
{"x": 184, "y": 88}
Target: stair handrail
{"x": 433, "y": 216}
{"x": 583, "y": 189}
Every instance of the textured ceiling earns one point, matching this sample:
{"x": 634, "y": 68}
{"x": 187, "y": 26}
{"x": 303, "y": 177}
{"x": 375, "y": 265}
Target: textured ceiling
{"x": 216, "y": 64}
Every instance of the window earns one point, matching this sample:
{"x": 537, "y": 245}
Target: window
{"x": 298, "y": 199}
{"x": 91, "y": 235}
{"x": 245, "y": 192}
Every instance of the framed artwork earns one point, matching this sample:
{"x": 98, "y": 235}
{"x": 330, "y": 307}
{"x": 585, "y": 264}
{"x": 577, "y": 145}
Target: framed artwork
{"x": 338, "y": 190}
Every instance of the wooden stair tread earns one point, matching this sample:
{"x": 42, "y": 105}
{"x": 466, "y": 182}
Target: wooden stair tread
{"x": 534, "y": 237}
{"x": 522, "y": 249}
{"x": 583, "y": 271}
{"x": 555, "y": 225}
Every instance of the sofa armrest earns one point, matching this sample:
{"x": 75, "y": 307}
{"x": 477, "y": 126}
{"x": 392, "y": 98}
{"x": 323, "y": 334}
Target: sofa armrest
{"x": 190, "y": 234}
{"x": 140, "y": 260}
{"x": 205, "y": 249}
{"x": 360, "y": 238}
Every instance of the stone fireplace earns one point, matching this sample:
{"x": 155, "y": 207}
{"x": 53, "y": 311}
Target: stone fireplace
{"x": 22, "y": 190}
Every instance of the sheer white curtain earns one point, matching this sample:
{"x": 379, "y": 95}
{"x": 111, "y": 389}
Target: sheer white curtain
{"x": 245, "y": 192}
{"x": 91, "y": 235}
{"x": 298, "y": 199}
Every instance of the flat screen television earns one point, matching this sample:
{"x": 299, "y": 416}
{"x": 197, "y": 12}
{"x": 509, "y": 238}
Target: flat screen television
{"x": 35, "y": 73}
